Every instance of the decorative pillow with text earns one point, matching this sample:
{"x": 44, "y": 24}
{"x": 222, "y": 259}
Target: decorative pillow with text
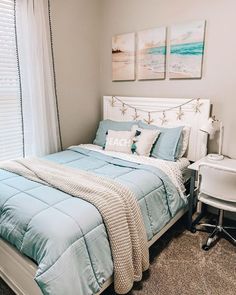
{"x": 120, "y": 141}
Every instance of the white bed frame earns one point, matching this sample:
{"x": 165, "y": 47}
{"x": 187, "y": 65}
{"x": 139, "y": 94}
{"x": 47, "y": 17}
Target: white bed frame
{"x": 18, "y": 271}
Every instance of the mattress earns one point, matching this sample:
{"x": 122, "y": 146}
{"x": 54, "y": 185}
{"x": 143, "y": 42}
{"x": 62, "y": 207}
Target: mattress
{"x": 66, "y": 236}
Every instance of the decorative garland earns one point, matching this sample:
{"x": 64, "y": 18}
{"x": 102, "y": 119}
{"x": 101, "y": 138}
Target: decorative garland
{"x": 149, "y": 120}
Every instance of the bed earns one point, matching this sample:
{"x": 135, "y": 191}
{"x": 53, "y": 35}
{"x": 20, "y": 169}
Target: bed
{"x": 141, "y": 175}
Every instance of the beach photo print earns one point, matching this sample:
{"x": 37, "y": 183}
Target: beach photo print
{"x": 151, "y": 54}
{"x": 186, "y": 50}
{"x": 123, "y": 57}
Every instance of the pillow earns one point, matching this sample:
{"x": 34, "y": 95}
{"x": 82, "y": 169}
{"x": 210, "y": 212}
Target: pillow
{"x": 183, "y": 142}
{"x": 165, "y": 147}
{"x": 144, "y": 140}
{"x": 120, "y": 141}
{"x": 106, "y": 125}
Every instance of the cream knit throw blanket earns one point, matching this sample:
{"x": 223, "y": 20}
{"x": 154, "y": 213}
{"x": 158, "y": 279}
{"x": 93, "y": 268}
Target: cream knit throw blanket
{"x": 116, "y": 203}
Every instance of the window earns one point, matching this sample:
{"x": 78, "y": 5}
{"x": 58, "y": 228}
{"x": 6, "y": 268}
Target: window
{"x": 11, "y": 126}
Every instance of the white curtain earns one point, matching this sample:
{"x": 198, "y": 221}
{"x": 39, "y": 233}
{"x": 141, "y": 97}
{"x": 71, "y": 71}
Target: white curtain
{"x": 41, "y": 125}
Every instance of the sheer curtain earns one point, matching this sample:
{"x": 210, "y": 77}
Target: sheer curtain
{"x": 40, "y": 110}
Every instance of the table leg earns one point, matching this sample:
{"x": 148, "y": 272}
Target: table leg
{"x": 191, "y": 199}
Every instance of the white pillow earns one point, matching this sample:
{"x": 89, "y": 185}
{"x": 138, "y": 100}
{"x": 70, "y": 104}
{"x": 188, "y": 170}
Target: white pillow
{"x": 145, "y": 140}
{"x": 185, "y": 140}
{"x": 120, "y": 141}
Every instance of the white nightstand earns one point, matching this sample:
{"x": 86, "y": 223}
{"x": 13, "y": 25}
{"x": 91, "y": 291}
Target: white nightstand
{"x": 225, "y": 163}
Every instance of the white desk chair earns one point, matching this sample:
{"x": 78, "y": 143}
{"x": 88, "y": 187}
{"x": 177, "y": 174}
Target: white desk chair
{"x": 217, "y": 188}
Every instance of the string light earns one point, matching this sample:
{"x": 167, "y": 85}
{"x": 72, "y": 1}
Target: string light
{"x": 149, "y": 120}
{"x": 179, "y": 114}
{"x": 197, "y": 106}
{"x": 112, "y": 101}
{"x": 135, "y": 116}
{"x": 123, "y": 109}
{"x": 163, "y": 119}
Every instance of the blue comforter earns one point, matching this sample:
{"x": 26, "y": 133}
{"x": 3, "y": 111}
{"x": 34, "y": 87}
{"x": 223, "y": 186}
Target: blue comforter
{"x": 65, "y": 236}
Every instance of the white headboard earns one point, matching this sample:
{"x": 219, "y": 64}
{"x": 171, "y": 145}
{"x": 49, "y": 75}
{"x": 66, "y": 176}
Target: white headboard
{"x": 198, "y": 139}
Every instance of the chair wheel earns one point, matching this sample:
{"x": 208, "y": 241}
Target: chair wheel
{"x": 193, "y": 230}
{"x": 205, "y": 247}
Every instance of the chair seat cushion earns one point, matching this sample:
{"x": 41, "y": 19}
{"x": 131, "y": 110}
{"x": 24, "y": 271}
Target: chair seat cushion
{"x": 217, "y": 203}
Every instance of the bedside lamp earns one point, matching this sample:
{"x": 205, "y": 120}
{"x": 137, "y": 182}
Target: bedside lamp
{"x": 210, "y": 128}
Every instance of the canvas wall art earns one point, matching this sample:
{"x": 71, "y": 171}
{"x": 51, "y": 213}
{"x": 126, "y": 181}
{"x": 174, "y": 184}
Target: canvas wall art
{"x": 151, "y": 54}
{"x": 186, "y": 50}
{"x": 123, "y": 57}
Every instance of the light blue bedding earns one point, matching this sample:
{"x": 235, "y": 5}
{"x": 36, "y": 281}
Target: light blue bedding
{"x": 66, "y": 236}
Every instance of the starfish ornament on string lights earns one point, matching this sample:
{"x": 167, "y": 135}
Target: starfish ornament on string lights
{"x": 179, "y": 114}
{"x": 112, "y": 101}
{"x": 149, "y": 120}
{"x": 136, "y": 115}
{"x": 197, "y": 106}
{"x": 123, "y": 109}
{"x": 163, "y": 119}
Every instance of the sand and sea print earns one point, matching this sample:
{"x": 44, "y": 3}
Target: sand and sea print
{"x": 186, "y": 50}
{"x": 151, "y": 54}
{"x": 123, "y": 57}
{"x": 185, "y": 60}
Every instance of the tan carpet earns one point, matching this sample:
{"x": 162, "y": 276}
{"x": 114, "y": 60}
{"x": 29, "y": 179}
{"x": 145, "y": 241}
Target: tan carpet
{"x": 180, "y": 267}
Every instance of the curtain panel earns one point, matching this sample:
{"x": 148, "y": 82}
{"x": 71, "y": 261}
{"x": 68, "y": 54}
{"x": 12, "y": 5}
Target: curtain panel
{"x": 37, "y": 77}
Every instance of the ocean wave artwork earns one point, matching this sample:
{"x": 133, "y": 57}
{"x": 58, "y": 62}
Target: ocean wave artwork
{"x": 186, "y": 50}
{"x": 151, "y": 54}
{"x": 123, "y": 57}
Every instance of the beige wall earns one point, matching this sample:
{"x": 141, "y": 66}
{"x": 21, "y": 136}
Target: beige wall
{"x": 79, "y": 26}
{"x": 75, "y": 25}
{"x": 219, "y": 76}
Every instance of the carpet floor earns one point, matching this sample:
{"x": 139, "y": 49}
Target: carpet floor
{"x": 178, "y": 266}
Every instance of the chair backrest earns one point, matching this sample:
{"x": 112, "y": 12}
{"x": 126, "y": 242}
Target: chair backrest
{"x": 217, "y": 182}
